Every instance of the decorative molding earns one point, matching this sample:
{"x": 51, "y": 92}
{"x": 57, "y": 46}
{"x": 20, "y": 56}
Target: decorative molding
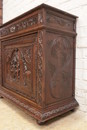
{"x": 58, "y": 110}
{"x": 40, "y": 67}
{"x": 37, "y": 113}
{"x": 27, "y": 107}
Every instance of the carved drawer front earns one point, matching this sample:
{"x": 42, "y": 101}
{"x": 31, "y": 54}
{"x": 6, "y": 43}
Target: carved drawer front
{"x": 19, "y": 65}
{"x": 59, "y": 67}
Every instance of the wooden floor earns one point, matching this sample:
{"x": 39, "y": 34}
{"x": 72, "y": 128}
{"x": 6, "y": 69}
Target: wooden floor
{"x": 12, "y": 118}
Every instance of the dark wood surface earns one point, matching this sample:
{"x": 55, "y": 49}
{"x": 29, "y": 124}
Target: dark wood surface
{"x": 37, "y": 63}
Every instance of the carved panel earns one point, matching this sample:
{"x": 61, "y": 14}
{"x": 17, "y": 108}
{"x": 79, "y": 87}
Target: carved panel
{"x": 61, "y": 22}
{"x": 18, "y": 59}
{"x": 59, "y": 54}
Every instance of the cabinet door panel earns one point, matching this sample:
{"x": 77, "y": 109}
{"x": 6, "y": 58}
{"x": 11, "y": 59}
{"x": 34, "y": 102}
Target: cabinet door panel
{"x": 19, "y": 65}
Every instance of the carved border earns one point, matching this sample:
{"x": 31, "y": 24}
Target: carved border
{"x": 40, "y": 67}
{"x": 37, "y": 113}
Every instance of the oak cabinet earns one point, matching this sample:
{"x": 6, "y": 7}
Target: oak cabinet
{"x": 37, "y": 63}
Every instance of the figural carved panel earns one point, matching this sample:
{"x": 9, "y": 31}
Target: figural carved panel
{"x": 18, "y": 58}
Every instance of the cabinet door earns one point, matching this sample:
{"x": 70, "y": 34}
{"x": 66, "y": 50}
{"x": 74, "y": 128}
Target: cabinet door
{"x": 19, "y": 65}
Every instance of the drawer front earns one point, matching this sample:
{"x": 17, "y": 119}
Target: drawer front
{"x": 19, "y": 65}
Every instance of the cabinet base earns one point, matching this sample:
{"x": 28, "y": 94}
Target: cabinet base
{"x": 40, "y": 115}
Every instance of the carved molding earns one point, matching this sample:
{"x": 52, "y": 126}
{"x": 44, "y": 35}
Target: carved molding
{"x": 58, "y": 110}
{"x": 37, "y": 113}
{"x": 32, "y": 110}
{"x": 40, "y": 66}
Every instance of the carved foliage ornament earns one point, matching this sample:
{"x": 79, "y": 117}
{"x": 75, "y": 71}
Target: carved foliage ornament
{"x": 40, "y": 67}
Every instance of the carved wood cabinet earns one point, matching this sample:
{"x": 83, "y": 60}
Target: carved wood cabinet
{"x": 37, "y": 62}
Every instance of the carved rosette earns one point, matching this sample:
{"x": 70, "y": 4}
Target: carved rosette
{"x": 40, "y": 67}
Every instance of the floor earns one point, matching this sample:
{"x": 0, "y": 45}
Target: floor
{"x": 12, "y": 118}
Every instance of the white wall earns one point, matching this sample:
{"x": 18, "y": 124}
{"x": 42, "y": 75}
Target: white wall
{"x": 13, "y": 8}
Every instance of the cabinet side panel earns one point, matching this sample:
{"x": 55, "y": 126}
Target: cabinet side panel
{"x": 59, "y": 67}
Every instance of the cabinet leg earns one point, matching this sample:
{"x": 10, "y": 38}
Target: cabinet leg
{"x": 40, "y": 122}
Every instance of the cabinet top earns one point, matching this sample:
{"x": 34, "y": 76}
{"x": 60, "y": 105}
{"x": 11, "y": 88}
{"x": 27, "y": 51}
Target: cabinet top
{"x": 42, "y": 16}
{"x": 38, "y": 8}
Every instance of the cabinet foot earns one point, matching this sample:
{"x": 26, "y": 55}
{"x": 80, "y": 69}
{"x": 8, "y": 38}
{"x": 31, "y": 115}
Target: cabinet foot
{"x": 1, "y": 97}
{"x": 73, "y": 110}
{"x": 40, "y": 122}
